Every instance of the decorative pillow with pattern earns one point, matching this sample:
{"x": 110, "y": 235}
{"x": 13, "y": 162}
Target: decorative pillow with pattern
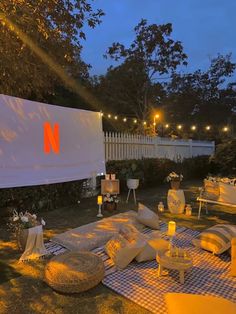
{"x": 121, "y": 251}
{"x": 147, "y": 217}
{"x": 216, "y": 239}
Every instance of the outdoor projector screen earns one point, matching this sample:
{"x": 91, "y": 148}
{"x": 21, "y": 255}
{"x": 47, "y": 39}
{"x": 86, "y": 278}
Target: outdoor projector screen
{"x": 43, "y": 144}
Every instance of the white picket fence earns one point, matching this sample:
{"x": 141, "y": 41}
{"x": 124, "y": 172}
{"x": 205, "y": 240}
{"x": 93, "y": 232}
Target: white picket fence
{"x": 120, "y": 146}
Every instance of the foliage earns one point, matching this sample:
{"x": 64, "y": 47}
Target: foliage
{"x": 108, "y": 198}
{"x": 132, "y": 171}
{"x": 173, "y": 176}
{"x": 152, "y": 52}
{"x": 155, "y": 170}
{"x": 225, "y": 157}
{"x": 28, "y": 30}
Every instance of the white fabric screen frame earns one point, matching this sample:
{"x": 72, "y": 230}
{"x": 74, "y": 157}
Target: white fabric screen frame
{"x": 23, "y": 161}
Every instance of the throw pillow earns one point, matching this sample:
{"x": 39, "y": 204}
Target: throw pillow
{"x": 154, "y": 245}
{"x": 131, "y": 233}
{"x": 211, "y": 190}
{"x": 147, "y": 217}
{"x": 216, "y": 239}
{"x": 121, "y": 251}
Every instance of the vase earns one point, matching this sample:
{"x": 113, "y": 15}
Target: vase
{"x": 21, "y": 238}
{"x": 175, "y": 185}
{"x": 110, "y": 206}
{"x": 132, "y": 184}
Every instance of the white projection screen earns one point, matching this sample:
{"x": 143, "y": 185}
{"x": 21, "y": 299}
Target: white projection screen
{"x": 23, "y": 161}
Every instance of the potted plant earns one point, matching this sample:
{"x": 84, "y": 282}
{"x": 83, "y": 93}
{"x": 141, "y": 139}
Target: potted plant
{"x": 174, "y": 180}
{"x": 132, "y": 175}
{"x": 110, "y": 202}
{"x": 20, "y": 224}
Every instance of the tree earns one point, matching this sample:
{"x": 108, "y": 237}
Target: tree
{"x": 200, "y": 95}
{"x": 152, "y": 53}
{"x": 39, "y": 39}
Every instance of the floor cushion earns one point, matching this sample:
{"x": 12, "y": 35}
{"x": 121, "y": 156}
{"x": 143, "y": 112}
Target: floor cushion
{"x": 182, "y": 303}
{"x": 74, "y": 272}
{"x": 216, "y": 239}
{"x": 211, "y": 190}
{"x": 153, "y": 246}
{"x": 122, "y": 251}
{"x": 147, "y": 217}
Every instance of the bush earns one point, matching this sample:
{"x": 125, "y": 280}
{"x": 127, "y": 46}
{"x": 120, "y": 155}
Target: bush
{"x": 225, "y": 158}
{"x": 155, "y": 170}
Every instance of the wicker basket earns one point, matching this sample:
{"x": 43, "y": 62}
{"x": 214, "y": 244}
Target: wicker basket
{"x": 74, "y": 272}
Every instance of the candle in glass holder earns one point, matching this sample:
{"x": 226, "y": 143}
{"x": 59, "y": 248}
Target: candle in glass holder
{"x": 188, "y": 210}
{"x": 99, "y": 200}
{"x": 161, "y": 207}
{"x": 113, "y": 176}
{"x": 107, "y": 176}
{"x": 171, "y": 228}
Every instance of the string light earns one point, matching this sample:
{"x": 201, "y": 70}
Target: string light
{"x": 166, "y": 126}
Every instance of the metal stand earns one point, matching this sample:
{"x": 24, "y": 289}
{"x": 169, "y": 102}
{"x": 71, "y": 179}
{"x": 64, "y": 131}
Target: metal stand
{"x": 99, "y": 211}
{"x": 129, "y": 195}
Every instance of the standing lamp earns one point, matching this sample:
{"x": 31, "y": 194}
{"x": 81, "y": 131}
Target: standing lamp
{"x": 99, "y": 202}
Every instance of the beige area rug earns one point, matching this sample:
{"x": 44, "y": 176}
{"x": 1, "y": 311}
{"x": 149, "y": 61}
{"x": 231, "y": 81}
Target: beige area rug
{"x": 96, "y": 234}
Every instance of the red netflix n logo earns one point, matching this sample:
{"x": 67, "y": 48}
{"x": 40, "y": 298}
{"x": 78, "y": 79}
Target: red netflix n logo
{"x": 51, "y": 138}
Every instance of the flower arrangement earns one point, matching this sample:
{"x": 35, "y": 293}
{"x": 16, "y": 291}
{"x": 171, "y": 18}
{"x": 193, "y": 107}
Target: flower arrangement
{"x": 173, "y": 176}
{"x": 19, "y": 221}
{"x": 108, "y": 198}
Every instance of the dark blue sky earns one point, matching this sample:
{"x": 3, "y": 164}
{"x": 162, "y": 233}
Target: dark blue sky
{"x": 205, "y": 28}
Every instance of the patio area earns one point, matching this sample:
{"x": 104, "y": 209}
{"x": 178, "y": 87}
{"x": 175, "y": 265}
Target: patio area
{"x": 22, "y": 289}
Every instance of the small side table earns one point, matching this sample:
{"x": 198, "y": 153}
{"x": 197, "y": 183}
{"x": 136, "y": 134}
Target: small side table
{"x": 176, "y": 201}
{"x": 180, "y": 263}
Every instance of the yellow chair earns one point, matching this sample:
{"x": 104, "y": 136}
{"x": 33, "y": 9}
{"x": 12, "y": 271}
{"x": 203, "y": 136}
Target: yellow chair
{"x": 182, "y": 303}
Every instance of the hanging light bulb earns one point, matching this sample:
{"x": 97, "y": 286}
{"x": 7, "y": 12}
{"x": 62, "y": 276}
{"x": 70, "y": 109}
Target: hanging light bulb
{"x": 208, "y": 127}
{"x": 167, "y": 126}
{"x": 179, "y": 127}
{"x": 124, "y": 119}
{"x": 193, "y": 128}
{"x": 115, "y": 117}
{"x": 144, "y": 122}
{"x": 101, "y": 113}
{"x": 135, "y": 120}
{"x": 109, "y": 116}
{"x": 225, "y": 129}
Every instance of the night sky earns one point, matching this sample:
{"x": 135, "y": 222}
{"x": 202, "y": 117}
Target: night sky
{"x": 205, "y": 28}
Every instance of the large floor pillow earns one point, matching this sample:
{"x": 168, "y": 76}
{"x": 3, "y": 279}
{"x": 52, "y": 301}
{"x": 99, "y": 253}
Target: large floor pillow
{"x": 216, "y": 239}
{"x": 74, "y": 272}
{"x": 147, "y": 217}
{"x": 183, "y": 303}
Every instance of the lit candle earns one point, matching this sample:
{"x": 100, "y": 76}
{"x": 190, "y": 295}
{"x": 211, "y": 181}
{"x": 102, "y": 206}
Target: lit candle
{"x": 107, "y": 177}
{"x": 99, "y": 200}
{"x": 161, "y": 207}
{"x": 113, "y": 176}
{"x": 171, "y": 228}
{"x": 188, "y": 211}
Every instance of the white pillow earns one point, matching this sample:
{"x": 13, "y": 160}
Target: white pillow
{"x": 153, "y": 246}
{"x": 121, "y": 251}
{"x": 131, "y": 233}
{"x": 147, "y": 217}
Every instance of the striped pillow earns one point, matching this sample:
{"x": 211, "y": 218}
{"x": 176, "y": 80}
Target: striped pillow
{"x": 216, "y": 239}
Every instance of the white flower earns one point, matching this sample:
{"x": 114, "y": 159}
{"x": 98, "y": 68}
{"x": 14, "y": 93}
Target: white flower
{"x": 43, "y": 222}
{"x": 34, "y": 216}
{"x": 24, "y": 219}
{"x": 15, "y": 218}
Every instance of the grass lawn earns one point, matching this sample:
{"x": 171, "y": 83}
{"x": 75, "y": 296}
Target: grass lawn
{"x": 22, "y": 289}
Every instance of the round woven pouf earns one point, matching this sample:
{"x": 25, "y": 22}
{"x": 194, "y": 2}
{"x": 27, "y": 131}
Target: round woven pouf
{"x": 74, "y": 272}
